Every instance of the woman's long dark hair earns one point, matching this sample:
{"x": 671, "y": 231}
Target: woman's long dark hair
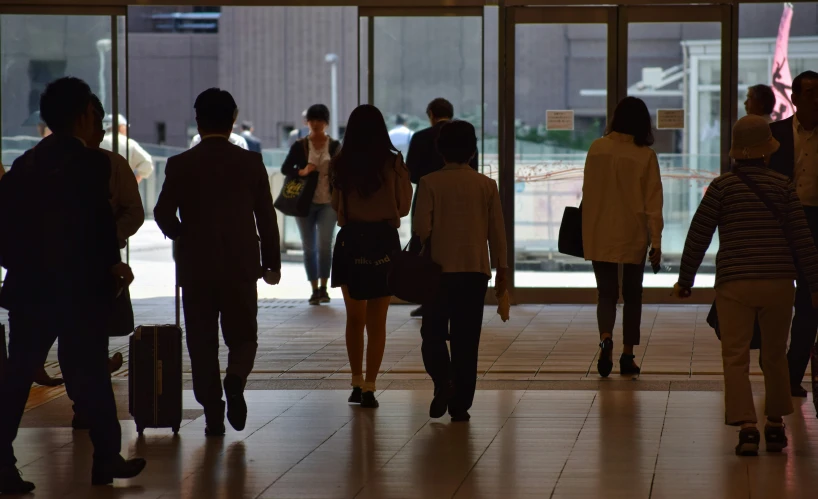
{"x": 632, "y": 117}
{"x": 366, "y": 148}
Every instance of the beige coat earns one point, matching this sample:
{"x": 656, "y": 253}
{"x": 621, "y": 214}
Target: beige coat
{"x": 621, "y": 201}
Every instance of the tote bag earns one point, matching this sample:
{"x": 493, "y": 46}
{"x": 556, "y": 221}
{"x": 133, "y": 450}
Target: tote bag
{"x": 296, "y": 195}
{"x": 570, "y": 239}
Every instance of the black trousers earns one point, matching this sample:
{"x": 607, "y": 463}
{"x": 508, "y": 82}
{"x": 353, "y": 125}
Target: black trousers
{"x": 235, "y": 306}
{"x": 607, "y": 283}
{"x": 805, "y": 320}
{"x": 458, "y": 310}
{"x": 83, "y": 356}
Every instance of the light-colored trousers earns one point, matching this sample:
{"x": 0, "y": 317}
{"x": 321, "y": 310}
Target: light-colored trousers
{"x": 737, "y": 303}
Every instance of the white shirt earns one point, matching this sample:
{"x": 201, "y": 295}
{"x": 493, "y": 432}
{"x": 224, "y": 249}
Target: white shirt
{"x": 400, "y": 137}
{"x": 235, "y": 139}
{"x": 138, "y": 158}
{"x": 320, "y": 158}
{"x": 622, "y": 201}
{"x": 806, "y": 163}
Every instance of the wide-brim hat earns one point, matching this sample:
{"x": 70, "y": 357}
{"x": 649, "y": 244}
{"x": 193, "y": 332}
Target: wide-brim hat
{"x": 752, "y": 139}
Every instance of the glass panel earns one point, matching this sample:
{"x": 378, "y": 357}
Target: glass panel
{"x": 678, "y": 66}
{"x": 418, "y": 59}
{"x": 548, "y": 164}
{"x": 36, "y": 50}
{"x": 758, "y": 33}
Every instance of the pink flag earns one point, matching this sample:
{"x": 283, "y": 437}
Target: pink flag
{"x": 782, "y": 78}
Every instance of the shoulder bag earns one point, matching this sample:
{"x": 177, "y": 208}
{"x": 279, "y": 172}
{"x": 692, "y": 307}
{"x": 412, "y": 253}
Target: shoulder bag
{"x": 297, "y": 192}
{"x": 570, "y": 238}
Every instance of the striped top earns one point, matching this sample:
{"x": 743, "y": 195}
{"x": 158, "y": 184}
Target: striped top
{"x": 752, "y": 242}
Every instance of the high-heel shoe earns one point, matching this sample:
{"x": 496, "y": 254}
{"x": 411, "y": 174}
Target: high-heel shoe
{"x": 627, "y": 366}
{"x": 604, "y": 365}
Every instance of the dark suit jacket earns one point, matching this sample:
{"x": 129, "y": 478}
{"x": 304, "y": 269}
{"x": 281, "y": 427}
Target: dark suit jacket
{"x": 57, "y": 233}
{"x": 223, "y": 197}
{"x": 423, "y": 158}
{"x": 253, "y": 142}
{"x": 783, "y": 161}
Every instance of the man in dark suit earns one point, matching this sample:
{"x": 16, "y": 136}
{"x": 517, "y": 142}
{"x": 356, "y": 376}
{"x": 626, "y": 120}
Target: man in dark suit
{"x": 223, "y": 197}
{"x": 64, "y": 271}
{"x": 253, "y": 142}
{"x": 798, "y": 159}
{"x": 423, "y": 158}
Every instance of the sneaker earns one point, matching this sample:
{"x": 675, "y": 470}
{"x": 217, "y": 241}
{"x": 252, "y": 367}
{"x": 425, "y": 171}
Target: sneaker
{"x": 323, "y": 296}
{"x": 104, "y": 473}
{"x": 236, "y": 405}
{"x": 604, "y": 365}
{"x": 357, "y": 395}
{"x": 748, "y": 440}
{"x": 368, "y": 401}
{"x": 11, "y": 483}
{"x": 315, "y": 299}
{"x": 115, "y": 362}
{"x": 775, "y": 438}
{"x": 440, "y": 404}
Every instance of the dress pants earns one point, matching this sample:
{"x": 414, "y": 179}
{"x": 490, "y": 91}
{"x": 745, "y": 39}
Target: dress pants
{"x": 607, "y": 283}
{"x": 458, "y": 310}
{"x": 739, "y": 302}
{"x": 206, "y": 304}
{"x": 805, "y": 320}
{"x": 83, "y": 356}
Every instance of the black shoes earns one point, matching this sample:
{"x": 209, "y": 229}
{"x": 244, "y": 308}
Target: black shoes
{"x": 798, "y": 391}
{"x": 368, "y": 401}
{"x": 416, "y": 313}
{"x": 604, "y": 365}
{"x": 119, "y": 467}
{"x": 775, "y": 437}
{"x": 115, "y": 362}
{"x": 748, "y": 440}
{"x": 315, "y": 299}
{"x": 460, "y": 416}
{"x": 236, "y": 405}
{"x": 323, "y": 296}
{"x": 11, "y": 483}
{"x": 440, "y": 403}
{"x": 356, "y": 396}
{"x": 215, "y": 430}
{"x": 627, "y": 366}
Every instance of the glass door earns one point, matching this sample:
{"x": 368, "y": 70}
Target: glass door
{"x": 410, "y": 56}
{"x": 674, "y": 63}
{"x": 560, "y": 88}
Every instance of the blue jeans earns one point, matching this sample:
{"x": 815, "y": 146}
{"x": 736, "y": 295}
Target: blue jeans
{"x": 317, "y": 230}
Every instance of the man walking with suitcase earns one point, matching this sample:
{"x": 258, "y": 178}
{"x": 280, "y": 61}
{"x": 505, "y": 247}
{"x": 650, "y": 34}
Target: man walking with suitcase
{"x": 222, "y": 194}
{"x": 64, "y": 272}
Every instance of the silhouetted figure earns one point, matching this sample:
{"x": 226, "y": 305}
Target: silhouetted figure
{"x": 458, "y": 211}
{"x": 222, "y": 194}
{"x": 139, "y": 159}
{"x": 621, "y": 218}
{"x": 371, "y": 194}
{"x": 311, "y": 155}
{"x": 253, "y": 142}
{"x": 401, "y": 135}
{"x": 760, "y": 102}
{"x": 797, "y": 158}
{"x": 423, "y": 157}
{"x": 62, "y": 278}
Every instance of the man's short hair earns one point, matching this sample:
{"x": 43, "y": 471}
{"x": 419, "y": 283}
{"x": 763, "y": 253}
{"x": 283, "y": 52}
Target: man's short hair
{"x": 97, "y": 105}
{"x": 440, "y": 109}
{"x": 457, "y": 142}
{"x": 798, "y": 81}
{"x": 246, "y": 125}
{"x": 318, "y": 112}
{"x": 765, "y": 96}
{"x": 63, "y": 103}
{"x": 400, "y": 120}
{"x": 215, "y": 110}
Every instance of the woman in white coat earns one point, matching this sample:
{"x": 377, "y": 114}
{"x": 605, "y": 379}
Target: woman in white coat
{"x": 621, "y": 218}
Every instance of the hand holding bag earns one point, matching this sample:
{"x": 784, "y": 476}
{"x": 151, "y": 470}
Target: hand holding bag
{"x": 415, "y": 277}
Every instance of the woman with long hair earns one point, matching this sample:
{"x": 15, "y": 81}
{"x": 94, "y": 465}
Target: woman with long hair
{"x": 621, "y": 217}
{"x": 311, "y": 156}
{"x": 371, "y": 193}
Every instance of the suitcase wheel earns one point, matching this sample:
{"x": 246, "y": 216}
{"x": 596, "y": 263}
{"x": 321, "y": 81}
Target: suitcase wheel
{"x": 175, "y": 430}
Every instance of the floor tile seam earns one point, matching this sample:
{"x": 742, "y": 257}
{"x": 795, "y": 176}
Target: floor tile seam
{"x": 573, "y": 446}
{"x": 659, "y": 449}
{"x": 308, "y": 454}
{"x": 554, "y": 346}
{"x": 647, "y": 346}
{"x": 474, "y": 465}
{"x": 510, "y": 344}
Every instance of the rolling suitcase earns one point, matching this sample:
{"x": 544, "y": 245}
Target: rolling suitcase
{"x": 155, "y": 379}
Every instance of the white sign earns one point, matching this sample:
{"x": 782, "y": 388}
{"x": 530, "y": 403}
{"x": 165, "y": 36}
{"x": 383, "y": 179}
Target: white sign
{"x": 670, "y": 119}
{"x": 559, "y": 120}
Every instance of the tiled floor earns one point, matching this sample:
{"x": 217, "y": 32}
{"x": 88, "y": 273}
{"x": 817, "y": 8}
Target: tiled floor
{"x": 607, "y": 443}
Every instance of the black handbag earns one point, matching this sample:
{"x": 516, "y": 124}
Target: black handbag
{"x": 713, "y": 321}
{"x": 122, "y": 320}
{"x": 570, "y": 239}
{"x": 414, "y": 277}
{"x": 296, "y": 195}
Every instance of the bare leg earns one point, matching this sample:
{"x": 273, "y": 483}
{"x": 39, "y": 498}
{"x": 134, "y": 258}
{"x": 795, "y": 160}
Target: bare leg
{"x": 356, "y": 322}
{"x": 376, "y": 335}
